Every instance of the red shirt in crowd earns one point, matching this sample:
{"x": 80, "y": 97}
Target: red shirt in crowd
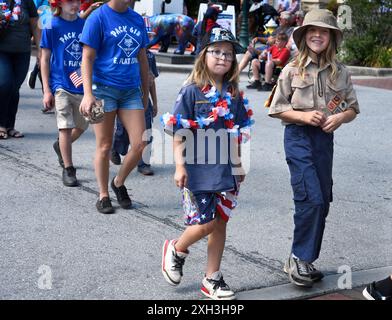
{"x": 282, "y": 54}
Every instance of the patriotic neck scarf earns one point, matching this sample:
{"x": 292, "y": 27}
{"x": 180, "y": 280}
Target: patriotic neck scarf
{"x": 6, "y": 15}
{"x": 221, "y": 109}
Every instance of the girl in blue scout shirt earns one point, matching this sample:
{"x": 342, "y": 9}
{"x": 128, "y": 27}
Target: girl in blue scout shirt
{"x": 114, "y": 66}
{"x": 314, "y": 96}
{"x": 61, "y": 57}
{"x": 209, "y": 103}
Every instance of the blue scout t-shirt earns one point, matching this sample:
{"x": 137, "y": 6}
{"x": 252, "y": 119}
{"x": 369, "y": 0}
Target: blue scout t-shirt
{"x": 117, "y": 38}
{"x": 63, "y": 40}
{"x": 208, "y": 172}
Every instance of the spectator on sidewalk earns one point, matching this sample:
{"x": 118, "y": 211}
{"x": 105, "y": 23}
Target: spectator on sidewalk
{"x": 294, "y": 6}
{"x": 61, "y": 56}
{"x": 313, "y": 98}
{"x": 283, "y": 5}
{"x": 379, "y": 290}
{"x": 114, "y": 68}
{"x": 270, "y": 60}
{"x": 285, "y": 26}
{"x": 15, "y": 52}
{"x": 285, "y": 21}
{"x": 299, "y": 19}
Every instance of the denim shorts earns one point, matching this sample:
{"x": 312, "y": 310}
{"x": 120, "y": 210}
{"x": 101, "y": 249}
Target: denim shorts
{"x": 114, "y": 99}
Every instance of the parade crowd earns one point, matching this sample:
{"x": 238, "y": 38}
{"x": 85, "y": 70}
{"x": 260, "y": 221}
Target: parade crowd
{"x": 97, "y": 69}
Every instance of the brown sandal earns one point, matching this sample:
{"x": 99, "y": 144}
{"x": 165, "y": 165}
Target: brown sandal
{"x": 15, "y": 133}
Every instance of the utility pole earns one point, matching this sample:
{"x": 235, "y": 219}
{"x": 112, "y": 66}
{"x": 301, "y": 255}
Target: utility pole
{"x": 244, "y": 32}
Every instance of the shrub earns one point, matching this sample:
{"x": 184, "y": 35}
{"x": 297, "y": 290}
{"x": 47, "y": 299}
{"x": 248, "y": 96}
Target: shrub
{"x": 369, "y": 42}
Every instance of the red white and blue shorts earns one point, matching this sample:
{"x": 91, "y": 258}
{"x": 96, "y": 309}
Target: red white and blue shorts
{"x": 201, "y": 208}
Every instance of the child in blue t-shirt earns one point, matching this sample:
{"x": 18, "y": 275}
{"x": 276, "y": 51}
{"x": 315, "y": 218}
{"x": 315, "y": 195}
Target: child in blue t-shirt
{"x": 114, "y": 68}
{"x": 121, "y": 141}
{"x": 212, "y": 116}
{"x": 62, "y": 86}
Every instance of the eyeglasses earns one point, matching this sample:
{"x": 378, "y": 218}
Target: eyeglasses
{"x": 218, "y": 54}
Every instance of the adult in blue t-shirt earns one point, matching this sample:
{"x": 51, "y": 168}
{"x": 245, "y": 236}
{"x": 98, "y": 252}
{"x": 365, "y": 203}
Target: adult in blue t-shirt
{"x": 114, "y": 66}
{"x": 62, "y": 39}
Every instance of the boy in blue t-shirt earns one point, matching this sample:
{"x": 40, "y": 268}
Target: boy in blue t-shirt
{"x": 62, "y": 84}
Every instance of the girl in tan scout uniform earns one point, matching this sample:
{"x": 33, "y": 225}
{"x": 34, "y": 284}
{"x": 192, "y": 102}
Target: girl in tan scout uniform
{"x": 314, "y": 96}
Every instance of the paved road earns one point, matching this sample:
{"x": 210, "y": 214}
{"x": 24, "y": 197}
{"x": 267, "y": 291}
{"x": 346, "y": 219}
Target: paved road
{"x": 48, "y": 229}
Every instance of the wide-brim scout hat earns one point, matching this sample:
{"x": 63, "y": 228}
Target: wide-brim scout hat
{"x": 219, "y": 34}
{"x": 319, "y": 18}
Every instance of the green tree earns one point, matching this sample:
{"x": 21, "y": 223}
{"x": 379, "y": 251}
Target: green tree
{"x": 369, "y": 41}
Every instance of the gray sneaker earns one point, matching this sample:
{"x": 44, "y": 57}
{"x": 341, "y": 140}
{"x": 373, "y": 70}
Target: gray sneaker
{"x": 316, "y": 275}
{"x": 300, "y": 272}
{"x": 145, "y": 170}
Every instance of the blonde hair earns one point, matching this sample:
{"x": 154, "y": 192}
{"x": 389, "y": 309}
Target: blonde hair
{"x": 201, "y": 76}
{"x": 328, "y": 56}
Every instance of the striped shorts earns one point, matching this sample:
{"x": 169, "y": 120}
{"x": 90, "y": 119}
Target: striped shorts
{"x": 201, "y": 208}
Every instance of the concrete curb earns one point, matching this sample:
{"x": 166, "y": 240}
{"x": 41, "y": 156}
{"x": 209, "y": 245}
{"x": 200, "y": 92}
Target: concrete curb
{"x": 355, "y": 71}
{"x": 181, "y": 68}
{"x": 328, "y": 285}
{"x": 366, "y": 71}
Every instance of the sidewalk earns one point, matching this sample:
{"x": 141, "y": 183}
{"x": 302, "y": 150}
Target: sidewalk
{"x": 327, "y": 289}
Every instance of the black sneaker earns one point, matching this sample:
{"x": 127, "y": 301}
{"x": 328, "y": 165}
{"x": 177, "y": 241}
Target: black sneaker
{"x": 56, "y": 147}
{"x": 254, "y": 85}
{"x": 300, "y": 272}
{"x": 145, "y": 170}
{"x": 371, "y": 293}
{"x": 104, "y": 205}
{"x": 115, "y": 157}
{"x": 69, "y": 177}
{"x": 266, "y": 87}
{"x": 123, "y": 198}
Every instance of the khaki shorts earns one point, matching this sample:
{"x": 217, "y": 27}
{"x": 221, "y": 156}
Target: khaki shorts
{"x": 67, "y": 110}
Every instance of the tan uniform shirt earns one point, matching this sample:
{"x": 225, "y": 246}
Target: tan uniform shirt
{"x": 313, "y": 92}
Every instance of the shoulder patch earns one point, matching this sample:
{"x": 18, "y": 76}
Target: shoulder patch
{"x": 179, "y": 97}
